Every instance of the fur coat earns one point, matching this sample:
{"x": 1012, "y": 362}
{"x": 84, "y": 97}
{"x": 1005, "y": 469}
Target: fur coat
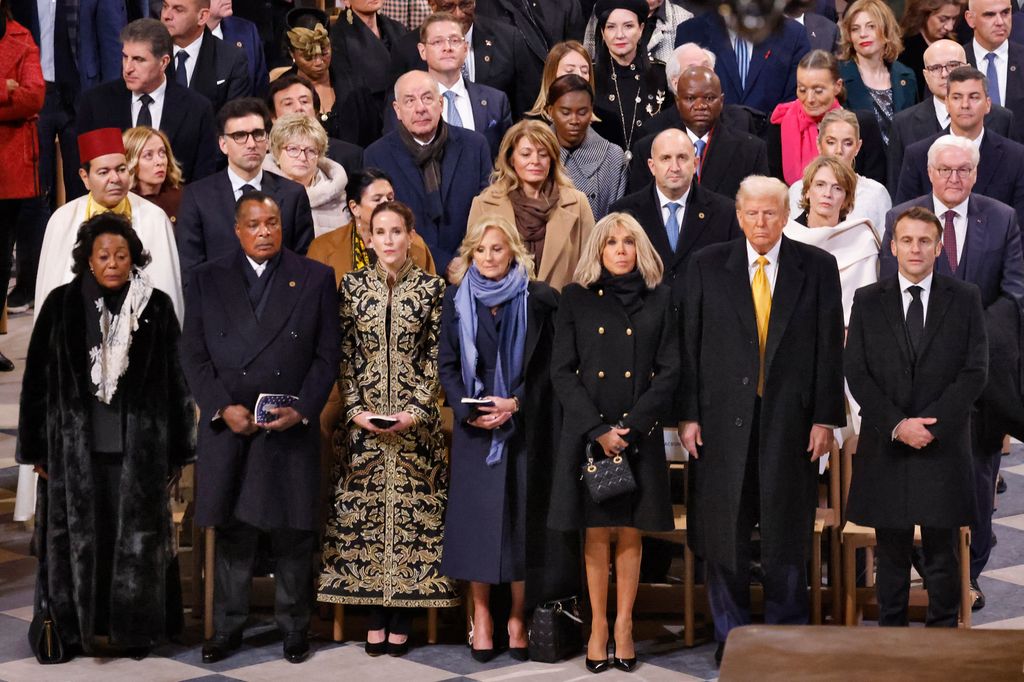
{"x": 54, "y": 432}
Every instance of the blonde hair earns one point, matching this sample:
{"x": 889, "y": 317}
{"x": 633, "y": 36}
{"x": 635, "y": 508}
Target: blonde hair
{"x": 761, "y": 185}
{"x": 504, "y": 177}
{"x": 475, "y": 235}
{"x": 838, "y": 116}
{"x": 588, "y": 268}
{"x": 845, "y": 176}
{"x": 550, "y": 73}
{"x": 888, "y": 28}
{"x": 135, "y": 139}
{"x": 292, "y": 126}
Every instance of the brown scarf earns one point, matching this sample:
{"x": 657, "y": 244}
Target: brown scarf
{"x": 532, "y": 216}
{"x": 427, "y": 158}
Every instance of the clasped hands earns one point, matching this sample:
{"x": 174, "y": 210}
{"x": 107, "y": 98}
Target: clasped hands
{"x": 243, "y": 423}
{"x": 818, "y": 443}
{"x": 493, "y": 416}
{"x": 913, "y": 431}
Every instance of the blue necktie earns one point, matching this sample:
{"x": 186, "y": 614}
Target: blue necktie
{"x": 742, "y": 60}
{"x": 993, "y": 78}
{"x": 700, "y": 145}
{"x": 672, "y": 225}
{"x": 180, "y": 74}
{"x": 453, "y": 114}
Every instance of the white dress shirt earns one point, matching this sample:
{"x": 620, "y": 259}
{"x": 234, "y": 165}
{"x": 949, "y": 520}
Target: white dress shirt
{"x": 237, "y": 182}
{"x": 193, "y": 56}
{"x": 258, "y": 267}
{"x": 926, "y": 288}
{"x": 462, "y": 103}
{"x": 219, "y": 31}
{"x": 664, "y": 201}
{"x": 1002, "y": 61}
{"x": 959, "y": 222}
{"x": 47, "y": 11}
{"x": 156, "y": 108}
{"x": 470, "y": 59}
{"x": 941, "y": 113}
{"x": 771, "y": 270}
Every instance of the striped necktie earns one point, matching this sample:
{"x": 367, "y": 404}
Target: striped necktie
{"x": 742, "y": 60}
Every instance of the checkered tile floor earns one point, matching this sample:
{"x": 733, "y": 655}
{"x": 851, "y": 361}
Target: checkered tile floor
{"x": 659, "y": 645}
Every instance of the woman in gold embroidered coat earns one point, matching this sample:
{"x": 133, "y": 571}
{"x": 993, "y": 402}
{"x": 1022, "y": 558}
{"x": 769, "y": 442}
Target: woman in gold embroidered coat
{"x": 384, "y": 537}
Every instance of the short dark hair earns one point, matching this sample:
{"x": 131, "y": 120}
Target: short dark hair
{"x": 360, "y": 181}
{"x": 563, "y": 85}
{"x": 962, "y": 74}
{"x": 398, "y": 208}
{"x": 241, "y": 107}
{"x": 256, "y": 195}
{"x": 286, "y": 81}
{"x": 918, "y": 213}
{"x": 149, "y": 31}
{"x": 106, "y": 223}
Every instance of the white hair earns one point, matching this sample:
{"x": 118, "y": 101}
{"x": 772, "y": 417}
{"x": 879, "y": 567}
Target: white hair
{"x": 763, "y": 186}
{"x": 673, "y": 68}
{"x": 953, "y": 142}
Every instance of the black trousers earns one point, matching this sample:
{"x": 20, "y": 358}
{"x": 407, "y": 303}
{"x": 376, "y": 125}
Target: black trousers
{"x": 941, "y": 574}
{"x": 293, "y": 576}
{"x": 106, "y": 470}
{"x": 986, "y": 469}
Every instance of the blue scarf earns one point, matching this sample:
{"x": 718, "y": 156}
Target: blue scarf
{"x": 510, "y": 289}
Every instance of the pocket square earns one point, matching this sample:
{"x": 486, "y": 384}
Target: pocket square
{"x": 222, "y": 81}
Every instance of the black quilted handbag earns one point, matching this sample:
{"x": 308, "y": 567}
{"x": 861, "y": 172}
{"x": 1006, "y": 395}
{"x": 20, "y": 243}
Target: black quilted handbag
{"x": 556, "y": 631}
{"x": 607, "y": 477}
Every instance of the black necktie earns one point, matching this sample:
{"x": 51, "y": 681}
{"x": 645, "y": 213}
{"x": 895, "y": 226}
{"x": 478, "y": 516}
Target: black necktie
{"x": 915, "y": 318}
{"x": 246, "y": 189}
{"x": 145, "y": 116}
{"x": 180, "y": 74}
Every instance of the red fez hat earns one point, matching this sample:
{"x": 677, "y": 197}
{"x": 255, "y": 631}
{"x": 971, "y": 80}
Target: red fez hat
{"x": 99, "y": 142}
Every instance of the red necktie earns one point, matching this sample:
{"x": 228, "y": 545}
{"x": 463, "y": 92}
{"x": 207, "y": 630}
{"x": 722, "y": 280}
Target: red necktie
{"x": 949, "y": 240}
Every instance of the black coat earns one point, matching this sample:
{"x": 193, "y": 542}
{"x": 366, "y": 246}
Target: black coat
{"x": 709, "y": 218}
{"x": 206, "y": 219}
{"x": 473, "y": 521}
{"x": 822, "y": 32}
{"x": 349, "y": 155}
{"x": 734, "y": 116}
{"x": 186, "y": 119}
{"x": 1014, "y": 82}
{"x": 610, "y": 366}
{"x": 221, "y": 73}
{"x": 54, "y": 431}
{"x": 270, "y": 480}
{"x": 358, "y": 51}
{"x": 356, "y": 114}
{"x": 803, "y": 387}
{"x": 894, "y": 485}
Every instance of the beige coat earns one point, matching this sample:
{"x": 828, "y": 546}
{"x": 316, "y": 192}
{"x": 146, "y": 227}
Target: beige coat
{"x": 568, "y": 229}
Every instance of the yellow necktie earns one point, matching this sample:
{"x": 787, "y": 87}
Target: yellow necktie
{"x": 762, "y": 311}
{"x": 93, "y": 208}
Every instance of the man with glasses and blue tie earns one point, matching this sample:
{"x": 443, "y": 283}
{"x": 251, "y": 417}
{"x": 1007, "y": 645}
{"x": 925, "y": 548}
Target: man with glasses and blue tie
{"x": 981, "y": 244}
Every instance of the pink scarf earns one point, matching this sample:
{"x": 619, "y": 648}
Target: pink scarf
{"x": 799, "y": 134}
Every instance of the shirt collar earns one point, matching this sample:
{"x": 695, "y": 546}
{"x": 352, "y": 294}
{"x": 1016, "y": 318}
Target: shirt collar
{"x": 459, "y": 88}
{"x": 237, "y": 182}
{"x": 979, "y": 52}
{"x": 469, "y": 38}
{"x": 940, "y": 109}
{"x": 925, "y": 284}
{"x": 258, "y": 267}
{"x": 192, "y": 48}
{"x": 772, "y": 255}
{"x": 693, "y": 136}
{"x": 157, "y": 94}
{"x": 940, "y": 208}
{"x": 662, "y": 199}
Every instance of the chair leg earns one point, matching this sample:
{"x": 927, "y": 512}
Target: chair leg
{"x": 850, "y": 583}
{"x": 816, "y": 579}
{"x": 432, "y": 625}
{"x": 338, "y": 633}
{"x": 869, "y": 566}
{"x": 210, "y": 546}
{"x": 834, "y": 574}
{"x": 688, "y": 605}
{"x": 965, "y": 577}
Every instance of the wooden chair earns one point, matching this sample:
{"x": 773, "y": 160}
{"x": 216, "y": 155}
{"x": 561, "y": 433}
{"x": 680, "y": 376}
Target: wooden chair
{"x": 827, "y": 520}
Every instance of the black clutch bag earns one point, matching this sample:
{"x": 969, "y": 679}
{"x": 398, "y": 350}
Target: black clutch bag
{"x": 43, "y": 636}
{"x": 556, "y": 631}
{"x": 607, "y": 477}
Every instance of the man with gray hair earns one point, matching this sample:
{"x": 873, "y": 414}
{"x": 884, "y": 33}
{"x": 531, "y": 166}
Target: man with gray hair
{"x": 981, "y": 244}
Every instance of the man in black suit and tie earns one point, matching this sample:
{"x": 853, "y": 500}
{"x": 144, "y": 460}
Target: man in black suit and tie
{"x": 217, "y": 71}
{"x": 261, "y": 320}
{"x": 995, "y": 55}
{"x": 206, "y": 217}
{"x": 724, "y": 155}
{"x": 145, "y": 96}
{"x": 679, "y": 216}
{"x": 982, "y": 245}
{"x": 762, "y": 392}
{"x": 916, "y": 360}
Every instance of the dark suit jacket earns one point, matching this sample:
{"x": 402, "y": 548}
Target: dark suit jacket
{"x": 771, "y": 78}
{"x": 271, "y": 479}
{"x": 729, "y": 157}
{"x": 244, "y": 35}
{"x": 918, "y": 122}
{"x": 894, "y": 485}
{"x": 902, "y": 79}
{"x": 870, "y": 161}
{"x": 913, "y": 58}
{"x": 206, "y": 219}
{"x": 550, "y": 22}
{"x": 349, "y": 155}
{"x": 739, "y": 118}
{"x": 709, "y": 218}
{"x": 803, "y": 387}
{"x": 822, "y": 32}
{"x": 465, "y": 172}
{"x": 186, "y": 119}
{"x": 221, "y": 73}
{"x": 966, "y": 34}
{"x": 1000, "y": 171}
{"x": 1014, "y": 81}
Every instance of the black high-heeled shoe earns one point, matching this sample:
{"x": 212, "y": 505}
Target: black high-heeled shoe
{"x": 626, "y": 665}
{"x": 377, "y": 648}
{"x": 484, "y": 655}
{"x": 598, "y": 666}
{"x": 519, "y": 653}
{"x": 398, "y": 649}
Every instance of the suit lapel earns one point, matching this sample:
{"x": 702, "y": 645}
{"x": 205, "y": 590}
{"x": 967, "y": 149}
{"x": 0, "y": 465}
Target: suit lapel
{"x": 226, "y": 198}
{"x": 204, "y": 77}
{"x": 478, "y": 104}
{"x": 172, "y": 115}
{"x": 738, "y": 280}
{"x": 406, "y": 166}
{"x": 759, "y": 55}
{"x": 694, "y": 222}
{"x": 991, "y": 157}
{"x": 482, "y": 54}
{"x": 719, "y": 43}
{"x": 892, "y": 310}
{"x": 789, "y": 282}
{"x": 524, "y": 23}
{"x": 715, "y": 161}
{"x": 561, "y": 231}
{"x": 282, "y": 299}
{"x": 450, "y": 163}
{"x": 974, "y": 241}
{"x": 233, "y": 292}
{"x": 926, "y": 120}
{"x": 654, "y": 225}
{"x": 938, "y": 301}
{"x": 123, "y": 107}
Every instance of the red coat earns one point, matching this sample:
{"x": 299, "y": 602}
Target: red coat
{"x": 19, "y": 141}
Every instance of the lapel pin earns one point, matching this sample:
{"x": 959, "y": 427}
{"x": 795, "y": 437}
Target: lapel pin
{"x": 1013, "y": 67}
{"x": 814, "y": 34}
{"x": 487, "y": 42}
{"x": 903, "y": 82}
{"x": 487, "y": 57}
{"x": 292, "y": 283}
{"x": 483, "y": 103}
{"x": 238, "y": 44}
{"x": 767, "y": 54}
{"x": 701, "y": 215}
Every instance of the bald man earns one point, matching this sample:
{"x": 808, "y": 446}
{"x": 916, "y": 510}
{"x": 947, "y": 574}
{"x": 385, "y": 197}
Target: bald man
{"x": 998, "y": 57}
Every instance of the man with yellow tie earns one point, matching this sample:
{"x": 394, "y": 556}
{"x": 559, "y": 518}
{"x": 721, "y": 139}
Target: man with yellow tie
{"x": 762, "y": 391}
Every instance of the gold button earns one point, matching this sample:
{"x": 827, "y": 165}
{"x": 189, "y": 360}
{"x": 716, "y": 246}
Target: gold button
{"x": 629, "y": 332}
{"x": 600, "y": 375}
{"x": 625, "y": 414}
{"x": 600, "y": 292}
{"x": 701, "y": 215}
{"x": 600, "y": 330}
{"x": 629, "y": 374}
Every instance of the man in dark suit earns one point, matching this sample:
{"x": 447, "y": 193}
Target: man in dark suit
{"x": 216, "y": 70}
{"x": 822, "y": 32}
{"x": 762, "y": 392}
{"x": 244, "y": 35}
{"x": 916, "y": 360}
{"x": 724, "y": 155}
{"x": 145, "y": 96}
{"x": 261, "y": 320}
{"x": 982, "y": 245}
{"x": 495, "y": 52}
{"x": 995, "y": 55}
{"x": 1000, "y": 171}
{"x": 930, "y": 116}
{"x": 768, "y": 75}
{"x": 437, "y": 169}
{"x": 680, "y": 216}
{"x": 205, "y": 219}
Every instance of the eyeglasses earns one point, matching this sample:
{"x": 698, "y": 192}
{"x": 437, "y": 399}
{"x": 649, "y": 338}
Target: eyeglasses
{"x": 453, "y": 41}
{"x": 936, "y": 69}
{"x": 294, "y": 151}
{"x": 945, "y": 173}
{"x": 240, "y": 136}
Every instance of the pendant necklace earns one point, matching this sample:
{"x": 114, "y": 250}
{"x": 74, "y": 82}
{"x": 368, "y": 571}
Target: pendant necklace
{"x": 627, "y": 139}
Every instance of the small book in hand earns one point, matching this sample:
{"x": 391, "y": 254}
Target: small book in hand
{"x": 478, "y": 402}
{"x": 267, "y": 401}
{"x": 382, "y": 422}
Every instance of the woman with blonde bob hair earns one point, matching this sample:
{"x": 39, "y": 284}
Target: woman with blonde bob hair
{"x": 497, "y": 329}
{"x": 616, "y": 367}
{"x": 531, "y": 190}
{"x": 156, "y": 174}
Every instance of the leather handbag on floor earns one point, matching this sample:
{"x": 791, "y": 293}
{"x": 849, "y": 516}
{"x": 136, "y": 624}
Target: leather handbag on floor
{"x": 607, "y": 477}
{"x": 43, "y": 636}
{"x": 556, "y": 630}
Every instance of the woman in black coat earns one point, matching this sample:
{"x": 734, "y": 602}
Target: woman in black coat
{"x": 501, "y": 459}
{"x": 616, "y": 367}
{"x": 107, "y": 420}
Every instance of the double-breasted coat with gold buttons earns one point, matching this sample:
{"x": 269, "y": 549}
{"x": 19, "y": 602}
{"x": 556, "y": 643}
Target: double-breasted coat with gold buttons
{"x": 612, "y": 366}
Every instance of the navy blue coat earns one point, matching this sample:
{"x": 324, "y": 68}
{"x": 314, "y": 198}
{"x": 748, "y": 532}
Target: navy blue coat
{"x": 244, "y": 35}
{"x": 465, "y": 171}
{"x": 771, "y": 78}
{"x": 902, "y": 79}
{"x": 270, "y": 479}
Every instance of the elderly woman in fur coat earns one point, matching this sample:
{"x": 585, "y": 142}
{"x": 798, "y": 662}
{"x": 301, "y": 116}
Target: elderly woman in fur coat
{"x": 106, "y": 419}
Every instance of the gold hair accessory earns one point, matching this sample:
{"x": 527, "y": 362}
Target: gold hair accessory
{"x": 310, "y": 42}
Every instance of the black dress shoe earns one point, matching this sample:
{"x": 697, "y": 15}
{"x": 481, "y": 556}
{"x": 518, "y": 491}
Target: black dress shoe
{"x": 377, "y": 648}
{"x": 519, "y": 653}
{"x": 138, "y": 653}
{"x": 626, "y": 665}
{"x": 1000, "y": 485}
{"x": 5, "y": 364}
{"x": 979, "y": 597}
{"x": 398, "y": 650}
{"x": 220, "y": 646}
{"x": 484, "y": 655}
{"x": 296, "y": 647}
{"x": 719, "y": 652}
